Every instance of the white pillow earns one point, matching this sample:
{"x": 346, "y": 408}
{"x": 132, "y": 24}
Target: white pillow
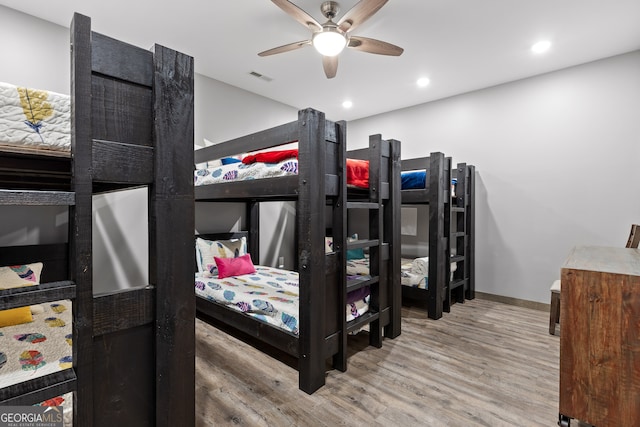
{"x": 17, "y": 276}
{"x": 207, "y": 249}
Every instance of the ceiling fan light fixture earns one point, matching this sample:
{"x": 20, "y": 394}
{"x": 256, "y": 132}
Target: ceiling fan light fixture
{"x": 329, "y": 42}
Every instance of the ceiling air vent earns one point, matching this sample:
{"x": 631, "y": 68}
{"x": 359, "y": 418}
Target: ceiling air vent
{"x": 260, "y": 76}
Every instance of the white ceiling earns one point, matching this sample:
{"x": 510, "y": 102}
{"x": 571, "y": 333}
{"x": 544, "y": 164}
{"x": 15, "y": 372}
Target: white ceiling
{"x": 461, "y": 45}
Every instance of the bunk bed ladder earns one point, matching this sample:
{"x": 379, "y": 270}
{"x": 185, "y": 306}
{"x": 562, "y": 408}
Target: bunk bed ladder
{"x": 374, "y": 245}
{"x": 463, "y": 216}
{"x": 459, "y": 236}
{"x": 374, "y": 204}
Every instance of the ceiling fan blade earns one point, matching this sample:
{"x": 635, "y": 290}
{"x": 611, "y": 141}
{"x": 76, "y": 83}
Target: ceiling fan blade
{"x": 359, "y": 13}
{"x": 285, "y": 48}
{"x": 330, "y": 65}
{"x": 298, "y": 14}
{"x": 379, "y": 47}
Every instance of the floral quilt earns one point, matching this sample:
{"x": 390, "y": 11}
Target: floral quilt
{"x": 41, "y": 347}
{"x": 242, "y": 172}
{"x": 32, "y": 119}
{"x": 270, "y": 294}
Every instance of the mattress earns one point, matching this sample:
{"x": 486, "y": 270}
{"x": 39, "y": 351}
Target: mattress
{"x": 269, "y": 295}
{"x": 358, "y": 266}
{"x": 414, "y": 272}
{"x": 278, "y": 163}
{"x": 243, "y": 172}
{"x": 34, "y": 121}
{"x": 38, "y": 348}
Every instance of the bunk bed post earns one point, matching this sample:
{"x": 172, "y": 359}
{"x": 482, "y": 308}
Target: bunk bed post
{"x": 253, "y": 225}
{"x": 446, "y": 237}
{"x": 80, "y": 219}
{"x": 172, "y": 208}
{"x": 311, "y": 256}
{"x": 339, "y": 232}
{"x": 436, "y": 287}
{"x": 392, "y": 219}
{"x": 378, "y": 296}
{"x": 471, "y": 230}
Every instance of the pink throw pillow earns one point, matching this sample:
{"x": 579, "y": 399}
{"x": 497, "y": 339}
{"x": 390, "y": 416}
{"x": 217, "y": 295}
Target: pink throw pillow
{"x": 234, "y": 266}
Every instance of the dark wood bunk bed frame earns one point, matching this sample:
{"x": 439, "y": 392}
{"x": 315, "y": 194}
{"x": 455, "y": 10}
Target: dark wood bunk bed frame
{"x": 320, "y": 183}
{"x": 441, "y": 290}
{"x": 383, "y": 202}
{"x": 132, "y": 126}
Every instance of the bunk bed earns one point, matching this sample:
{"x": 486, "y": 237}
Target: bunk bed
{"x": 317, "y": 182}
{"x": 445, "y": 275}
{"x": 131, "y": 125}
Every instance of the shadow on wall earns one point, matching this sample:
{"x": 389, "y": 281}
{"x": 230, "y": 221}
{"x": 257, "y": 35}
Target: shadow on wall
{"x": 120, "y": 241}
{"x": 219, "y": 217}
{"x": 277, "y": 238}
{"x": 415, "y": 226}
{"x": 23, "y": 225}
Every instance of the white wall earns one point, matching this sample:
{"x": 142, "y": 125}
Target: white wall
{"x": 224, "y": 112}
{"x": 556, "y": 159}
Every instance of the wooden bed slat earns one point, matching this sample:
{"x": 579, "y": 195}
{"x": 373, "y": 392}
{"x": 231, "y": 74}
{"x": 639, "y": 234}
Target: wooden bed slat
{"x": 121, "y": 61}
{"x": 30, "y": 295}
{"x": 280, "y": 188}
{"x": 36, "y": 198}
{"x": 277, "y": 338}
{"x": 123, "y": 310}
{"x": 120, "y": 163}
{"x": 39, "y": 389}
{"x": 261, "y": 140}
{"x": 122, "y": 112}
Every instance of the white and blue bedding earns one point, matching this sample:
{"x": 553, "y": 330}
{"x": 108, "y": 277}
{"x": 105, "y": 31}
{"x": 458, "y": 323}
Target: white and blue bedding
{"x": 41, "y": 347}
{"x": 33, "y": 120}
{"x": 243, "y": 172}
{"x": 414, "y": 272}
{"x": 270, "y": 295}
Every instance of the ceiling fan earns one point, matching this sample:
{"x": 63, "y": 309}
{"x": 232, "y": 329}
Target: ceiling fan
{"x": 331, "y": 38}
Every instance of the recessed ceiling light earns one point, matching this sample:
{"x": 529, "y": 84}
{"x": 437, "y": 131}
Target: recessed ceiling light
{"x": 541, "y": 47}
{"x": 423, "y": 82}
{"x": 347, "y": 104}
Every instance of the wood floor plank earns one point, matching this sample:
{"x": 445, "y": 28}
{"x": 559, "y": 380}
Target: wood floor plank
{"x": 484, "y": 364}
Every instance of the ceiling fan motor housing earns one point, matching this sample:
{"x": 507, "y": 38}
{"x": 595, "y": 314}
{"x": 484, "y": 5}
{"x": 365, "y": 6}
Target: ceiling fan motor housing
{"x": 330, "y": 9}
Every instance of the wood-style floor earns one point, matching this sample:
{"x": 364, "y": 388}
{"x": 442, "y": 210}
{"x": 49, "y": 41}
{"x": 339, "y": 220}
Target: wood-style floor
{"x": 484, "y": 364}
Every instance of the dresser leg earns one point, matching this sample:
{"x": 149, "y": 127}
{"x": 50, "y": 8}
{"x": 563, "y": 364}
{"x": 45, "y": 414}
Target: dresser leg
{"x": 563, "y": 420}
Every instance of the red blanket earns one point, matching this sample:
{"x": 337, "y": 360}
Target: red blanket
{"x": 358, "y": 173}
{"x": 270, "y": 156}
{"x": 357, "y": 170}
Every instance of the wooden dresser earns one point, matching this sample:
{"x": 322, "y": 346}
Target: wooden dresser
{"x": 600, "y": 337}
